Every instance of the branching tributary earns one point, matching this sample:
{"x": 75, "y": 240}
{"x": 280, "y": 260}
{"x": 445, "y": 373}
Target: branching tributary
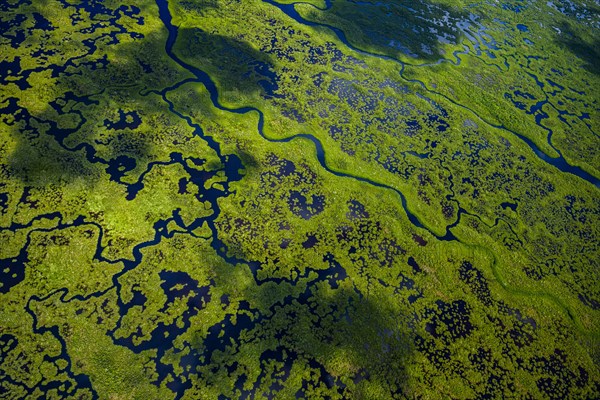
{"x": 558, "y": 162}
{"x": 288, "y": 9}
{"x": 232, "y": 165}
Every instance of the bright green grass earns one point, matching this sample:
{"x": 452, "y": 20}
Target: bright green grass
{"x": 338, "y": 295}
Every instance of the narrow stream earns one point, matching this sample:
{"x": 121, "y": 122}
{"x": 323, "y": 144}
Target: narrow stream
{"x": 558, "y": 162}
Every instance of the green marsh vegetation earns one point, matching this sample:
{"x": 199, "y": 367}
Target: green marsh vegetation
{"x": 322, "y": 222}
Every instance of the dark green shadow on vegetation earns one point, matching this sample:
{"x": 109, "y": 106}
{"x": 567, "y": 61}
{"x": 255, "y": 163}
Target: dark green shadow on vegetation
{"x": 586, "y": 49}
{"x": 404, "y": 29}
{"x": 103, "y": 113}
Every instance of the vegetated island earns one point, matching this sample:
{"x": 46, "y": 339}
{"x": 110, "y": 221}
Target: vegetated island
{"x": 214, "y": 199}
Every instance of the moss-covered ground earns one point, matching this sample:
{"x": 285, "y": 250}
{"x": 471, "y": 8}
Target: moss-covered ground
{"x": 211, "y": 199}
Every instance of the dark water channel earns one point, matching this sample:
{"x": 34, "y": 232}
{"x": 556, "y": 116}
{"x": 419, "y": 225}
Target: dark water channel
{"x": 175, "y": 284}
{"x": 558, "y": 162}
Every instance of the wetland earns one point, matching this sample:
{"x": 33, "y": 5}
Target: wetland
{"x": 219, "y": 199}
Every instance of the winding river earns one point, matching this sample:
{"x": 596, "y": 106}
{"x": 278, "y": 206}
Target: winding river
{"x": 205, "y": 79}
{"x": 232, "y": 165}
{"x": 558, "y": 162}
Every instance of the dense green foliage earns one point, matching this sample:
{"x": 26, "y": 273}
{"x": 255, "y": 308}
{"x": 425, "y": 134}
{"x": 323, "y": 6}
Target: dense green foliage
{"x": 326, "y": 199}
